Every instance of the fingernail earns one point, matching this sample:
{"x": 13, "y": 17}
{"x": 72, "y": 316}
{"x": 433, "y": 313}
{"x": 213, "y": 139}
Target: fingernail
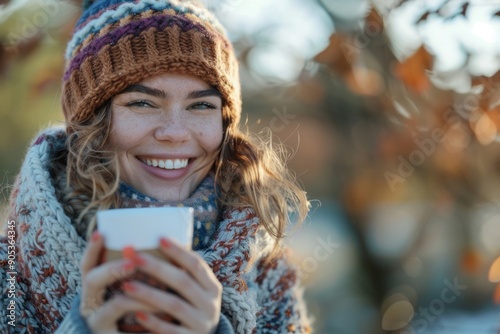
{"x": 165, "y": 243}
{"x": 129, "y": 265}
{"x": 128, "y": 286}
{"x": 129, "y": 252}
{"x": 141, "y": 316}
{"x": 95, "y": 236}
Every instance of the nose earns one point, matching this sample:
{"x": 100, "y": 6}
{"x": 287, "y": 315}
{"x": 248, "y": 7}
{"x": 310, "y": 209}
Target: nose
{"x": 172, "y": 127}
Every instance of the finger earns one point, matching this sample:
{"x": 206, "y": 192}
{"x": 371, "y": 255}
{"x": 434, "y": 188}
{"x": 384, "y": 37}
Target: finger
{"x": 106, "y": 316}
{"x": 157, "y": 326}
{"x": 173, "y": 277}
{"x": 192, "y": 263}
{"x": 167, "y": 302}
{"x": 90, "y": 257}
{"x": 99, "y": 278}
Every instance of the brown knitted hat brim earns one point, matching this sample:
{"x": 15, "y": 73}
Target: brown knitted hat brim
{"x": 135, "y": 57}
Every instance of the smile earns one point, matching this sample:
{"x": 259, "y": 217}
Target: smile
{"x": 167, "y": 163}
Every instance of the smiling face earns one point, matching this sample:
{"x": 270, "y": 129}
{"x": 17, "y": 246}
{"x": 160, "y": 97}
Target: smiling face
{"x": 166, "y": 131}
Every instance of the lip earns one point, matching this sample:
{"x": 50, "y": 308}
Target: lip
{"x": 166, "y": 174}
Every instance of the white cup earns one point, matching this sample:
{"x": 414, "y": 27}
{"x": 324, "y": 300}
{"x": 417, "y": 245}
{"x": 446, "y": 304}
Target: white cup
{"x": 142, "y": 228}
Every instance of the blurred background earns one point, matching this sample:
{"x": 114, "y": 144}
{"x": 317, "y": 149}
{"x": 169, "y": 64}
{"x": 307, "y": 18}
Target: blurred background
{"x": 391, "y": 113}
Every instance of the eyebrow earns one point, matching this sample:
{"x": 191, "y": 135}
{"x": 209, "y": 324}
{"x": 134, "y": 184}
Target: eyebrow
{"x": 203, "y": 93}
{"x": 163, "y": 95}
{"x": 146, "y": 90}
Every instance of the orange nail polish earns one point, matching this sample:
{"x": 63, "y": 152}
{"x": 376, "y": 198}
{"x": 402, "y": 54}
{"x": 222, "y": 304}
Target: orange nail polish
{"x": 165, "y": 243}
{"x": 95, "y": 236}
{"x": 128, "y": 286}
{"x": 129, "y": 252}
{"x": 141, "y": 316}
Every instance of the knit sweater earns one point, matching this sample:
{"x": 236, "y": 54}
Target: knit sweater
{"x": 41, "y": 278}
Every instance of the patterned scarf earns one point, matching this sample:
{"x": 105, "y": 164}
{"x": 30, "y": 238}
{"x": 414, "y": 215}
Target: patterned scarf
{"x": 258, "y": 296}
{"x": 203, "y": 200}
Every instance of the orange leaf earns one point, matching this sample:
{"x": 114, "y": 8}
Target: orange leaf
{"x": 485, "y": 129}
{"x": 374, "y": 22}
{"x": 470, "y": 261}
{"x": 495, "y": 115}
{"x": 494, "y": 273}
{"x": 339, "y": 54}
{"x": 496, "y": 295}
{"x": 491, "y": 90}
{"x": 412, "y": 70}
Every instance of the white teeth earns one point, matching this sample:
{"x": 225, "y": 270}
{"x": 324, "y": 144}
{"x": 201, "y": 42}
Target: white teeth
{"x": 167, "y": 164}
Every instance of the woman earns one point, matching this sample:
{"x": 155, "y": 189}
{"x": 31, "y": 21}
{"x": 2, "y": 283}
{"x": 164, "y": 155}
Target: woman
{"x": 151, "y": 99}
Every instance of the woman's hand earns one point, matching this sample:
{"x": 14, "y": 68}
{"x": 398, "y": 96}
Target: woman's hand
{"x": 198, "y": 303}
{"x": 101, "y": 315}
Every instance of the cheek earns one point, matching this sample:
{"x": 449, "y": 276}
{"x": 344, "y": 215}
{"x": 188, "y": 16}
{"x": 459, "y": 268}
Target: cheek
{"x": 211, "y": 136}
{"x": 123, "y": 133}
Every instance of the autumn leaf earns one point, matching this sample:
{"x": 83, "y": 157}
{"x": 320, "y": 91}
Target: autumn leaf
{"x": 412, "y": 71}
{"x": 496, "y": 294}
{"x": 489, "y": 98}
{"x": 494, "y": 115}
{"x": 494, "y": 272}
{"x": 485, "y": 129}
{"x": 470, "y": 261}
{"x": 374, "y": 21}
{"x": 339, "y": 54}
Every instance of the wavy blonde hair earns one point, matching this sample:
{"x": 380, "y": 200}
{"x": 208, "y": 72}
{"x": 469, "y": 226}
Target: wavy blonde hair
{"x": 248, "y": 171}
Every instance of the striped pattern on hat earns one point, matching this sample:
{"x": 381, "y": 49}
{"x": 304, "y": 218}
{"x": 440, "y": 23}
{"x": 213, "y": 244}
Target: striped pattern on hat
{"x": 117, "y": 43}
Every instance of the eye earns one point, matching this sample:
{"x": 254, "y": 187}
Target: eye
{"x": 202, "y": 106}
{"x": 140, "y": 104}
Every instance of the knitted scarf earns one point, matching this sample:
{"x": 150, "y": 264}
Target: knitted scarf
{"x": 203, "y": 200}
{"x": 258, "y": 296}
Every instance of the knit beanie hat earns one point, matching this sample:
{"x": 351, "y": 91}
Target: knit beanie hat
{"x": 117, "y": 43}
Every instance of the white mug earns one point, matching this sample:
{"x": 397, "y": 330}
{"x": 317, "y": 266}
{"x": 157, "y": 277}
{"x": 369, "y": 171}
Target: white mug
{"x": 142, "y": 228}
